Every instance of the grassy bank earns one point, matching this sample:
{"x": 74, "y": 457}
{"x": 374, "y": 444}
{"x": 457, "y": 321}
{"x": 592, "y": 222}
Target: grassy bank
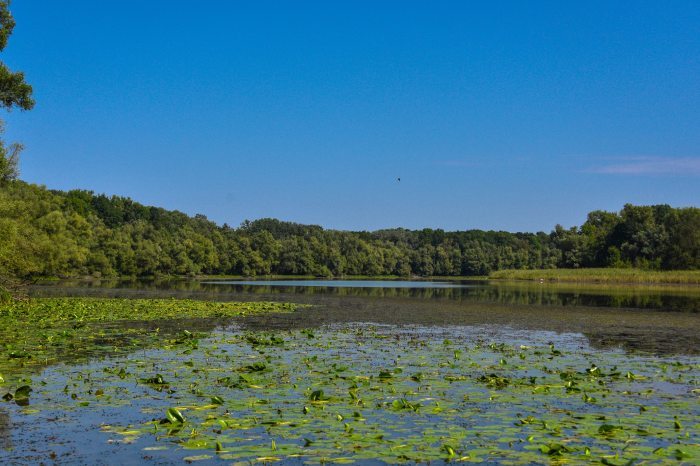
{"x": 682, "y": 277}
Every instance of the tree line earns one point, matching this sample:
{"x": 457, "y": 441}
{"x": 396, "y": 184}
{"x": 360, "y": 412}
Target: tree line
{"x": 79, "y": 233}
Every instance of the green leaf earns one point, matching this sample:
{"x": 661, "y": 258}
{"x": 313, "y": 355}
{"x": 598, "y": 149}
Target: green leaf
{"x": 554, "y": 449}
{"x": 447, "y": 449}
{"x": 608, "y": 429}
{"x": 175, "y": 416}
{"x": 316, "y": 395}
{"x": 23, "y": 391}
{"x": 157, "y": 380}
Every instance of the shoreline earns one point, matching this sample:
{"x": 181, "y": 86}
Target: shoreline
{"x": 591, "y": 276}
{"x": 601, "y": 276}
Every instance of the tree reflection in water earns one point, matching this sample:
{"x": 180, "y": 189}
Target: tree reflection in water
{"x": 657, "y": 319}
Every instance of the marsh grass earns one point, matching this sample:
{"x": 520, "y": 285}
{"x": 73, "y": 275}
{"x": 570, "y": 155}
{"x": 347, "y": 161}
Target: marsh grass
{"x": 684, "y": 277}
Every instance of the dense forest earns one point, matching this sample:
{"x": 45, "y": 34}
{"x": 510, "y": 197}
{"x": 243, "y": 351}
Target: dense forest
{"x": 77, "y": 233}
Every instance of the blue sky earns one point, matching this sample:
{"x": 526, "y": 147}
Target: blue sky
{"x": 495, "y": 115}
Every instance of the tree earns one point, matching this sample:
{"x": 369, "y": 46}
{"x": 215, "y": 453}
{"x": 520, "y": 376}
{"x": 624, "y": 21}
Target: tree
{"x": 9, "y": 158}
{"x": 14, "y": 93}
{"x": 598, "y": 232}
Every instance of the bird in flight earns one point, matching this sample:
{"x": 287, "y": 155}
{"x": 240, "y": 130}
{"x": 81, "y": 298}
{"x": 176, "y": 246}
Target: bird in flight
{"x": 398, "y": 179}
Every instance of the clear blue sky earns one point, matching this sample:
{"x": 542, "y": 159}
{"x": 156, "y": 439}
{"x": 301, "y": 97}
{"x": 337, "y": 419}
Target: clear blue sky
{"x": 495, "y": 115}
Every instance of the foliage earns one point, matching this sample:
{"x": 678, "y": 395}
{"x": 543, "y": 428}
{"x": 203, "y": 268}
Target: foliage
{"x": 78, "y": 233}
{"x": 14, "y": 92}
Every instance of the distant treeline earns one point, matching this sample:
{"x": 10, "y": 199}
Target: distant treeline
{"x": 75, "y": 233}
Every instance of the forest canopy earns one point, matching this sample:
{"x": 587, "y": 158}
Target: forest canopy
{"x": 79, "y": 233}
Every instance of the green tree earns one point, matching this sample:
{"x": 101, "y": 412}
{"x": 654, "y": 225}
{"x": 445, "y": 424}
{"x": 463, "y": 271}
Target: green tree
{"x": 598, "y": 234}
{"x": 14, "y": 93}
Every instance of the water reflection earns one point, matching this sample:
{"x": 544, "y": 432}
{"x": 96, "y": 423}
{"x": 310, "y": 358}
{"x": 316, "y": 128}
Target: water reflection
{"x": 661, "y": 298}
{"x": 654, "y": 319}
{"x": 341, "y": 283}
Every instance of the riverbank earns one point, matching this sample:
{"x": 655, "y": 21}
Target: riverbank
{"x": 602, "y": 275}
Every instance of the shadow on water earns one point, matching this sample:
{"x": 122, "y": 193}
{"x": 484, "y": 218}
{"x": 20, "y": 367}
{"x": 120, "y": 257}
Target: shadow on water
{"x": 661, "y": 320}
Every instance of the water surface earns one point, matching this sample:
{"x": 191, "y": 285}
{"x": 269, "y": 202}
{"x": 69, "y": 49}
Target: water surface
{"x": 656, "y": 319}
{"x": 448, "y": 347}
{"x": 340, "y": 283}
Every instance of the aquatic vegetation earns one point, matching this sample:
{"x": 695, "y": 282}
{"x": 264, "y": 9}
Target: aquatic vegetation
{"x": 50, "y": 311}
{"x": 40, "y": 332}
{"x": 348, "y": 393}
{"x": 353, "y": 394}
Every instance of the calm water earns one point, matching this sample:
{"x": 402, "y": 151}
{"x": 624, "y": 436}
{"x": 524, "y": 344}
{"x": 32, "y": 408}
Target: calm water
{"x": 653, "y": 319}
{"x": 341, "y": 283}
{"x": 643, "y": 328}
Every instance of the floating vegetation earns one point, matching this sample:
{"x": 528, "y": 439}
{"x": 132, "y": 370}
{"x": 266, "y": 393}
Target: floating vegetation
{"x": 43, "y": 331}
{"x": 50, "y": 311}
{"x": 347, "y": 393}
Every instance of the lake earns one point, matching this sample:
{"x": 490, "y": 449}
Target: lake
{"x": 660, "y": 319}
{"x": 370, "y": 372}
{"x": 387, "y": 284}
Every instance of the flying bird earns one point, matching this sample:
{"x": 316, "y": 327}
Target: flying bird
{"x": 398, "y": 179}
